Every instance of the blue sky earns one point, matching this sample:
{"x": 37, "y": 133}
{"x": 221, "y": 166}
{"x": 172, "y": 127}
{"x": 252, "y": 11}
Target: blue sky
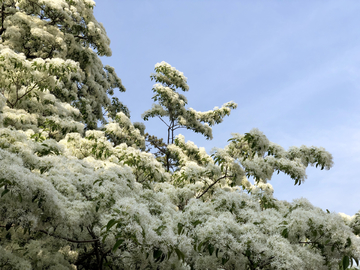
{"x": 293, "y": 68}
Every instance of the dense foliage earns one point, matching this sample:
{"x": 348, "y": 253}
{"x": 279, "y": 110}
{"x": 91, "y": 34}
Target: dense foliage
{"x": 76, "y": 195}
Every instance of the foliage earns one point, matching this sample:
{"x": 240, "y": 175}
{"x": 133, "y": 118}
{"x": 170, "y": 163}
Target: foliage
{"x": 77, "y": 196}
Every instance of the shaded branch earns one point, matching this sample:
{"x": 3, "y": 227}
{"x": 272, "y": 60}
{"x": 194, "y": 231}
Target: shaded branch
{"x": 266, "y": 262}
{"x": 2, "y": 226}
{"x": 71, "y": 240}
{"x": 61, "y": 237}
{"x": 2, "y": 30}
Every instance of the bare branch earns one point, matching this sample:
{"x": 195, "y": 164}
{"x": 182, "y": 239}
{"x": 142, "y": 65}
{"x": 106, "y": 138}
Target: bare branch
{"x": 164, "y": 122}
{"x": 178, "y": 127}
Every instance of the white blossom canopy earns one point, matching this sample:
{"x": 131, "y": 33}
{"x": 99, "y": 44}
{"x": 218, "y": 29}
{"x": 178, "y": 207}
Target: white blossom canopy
{"x": 75, "y": 196}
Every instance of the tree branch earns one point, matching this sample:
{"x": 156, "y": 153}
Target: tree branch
{"x": 71, "y": 240}
{"x": 61, "y": 237}
{"x": 2, "y": 226}
{"x": 160, "y": 149}
{"x": 81, "y": 37}
{"x": 164, "y": 122}
{"x": 266, "y": 262}
{"x": 311, "y": 242}
{"x": 2, "y": 30}
{"x": 17, "y": 93}
{"x": 27, "y": 92}
{"x": 206, "y": 190}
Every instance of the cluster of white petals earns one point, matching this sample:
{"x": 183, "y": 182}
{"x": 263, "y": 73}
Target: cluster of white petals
{"x": 170, "y": 76}
{"x": 121, "y": 130}
{"x": 172, "y": 104}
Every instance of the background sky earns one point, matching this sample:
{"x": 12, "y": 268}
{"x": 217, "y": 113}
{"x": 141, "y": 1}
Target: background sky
{"x": 291, "y": 66}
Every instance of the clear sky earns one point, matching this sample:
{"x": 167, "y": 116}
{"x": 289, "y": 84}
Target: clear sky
{"x": 293, "y": 68}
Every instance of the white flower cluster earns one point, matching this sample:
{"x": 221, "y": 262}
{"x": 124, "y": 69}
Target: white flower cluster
{"x": 169, "y": 76}
{"x": 261, "y": 158}
{"x": 121, "y": 130}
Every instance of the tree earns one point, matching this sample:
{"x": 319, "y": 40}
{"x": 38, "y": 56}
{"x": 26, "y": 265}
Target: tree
{"x": 77, "y": 196}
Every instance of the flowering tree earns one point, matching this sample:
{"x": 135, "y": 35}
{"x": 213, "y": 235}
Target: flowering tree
{"x": 77, "y": 196}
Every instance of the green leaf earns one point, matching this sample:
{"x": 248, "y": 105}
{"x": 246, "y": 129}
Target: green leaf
{"x": 210, "y": 249}
{"x": 4, "y": 182}
{"x": 180, "y": 254}
{"x": 160, "y": 229}
{"x": 180, "y": 228}
{"x": 104, "y": 237}
{"x": 285, "y": 233}
{"x": 345, "y": 262}
{"x": 225, "y": 259}
{"x": 117, "y": 244}
{"x": 162, "y": 258}
{"x": 348, "y": 242}
{"x": 99, "y": 180}
{"x": 156, "y": 254}
{"x": 35, "y": 197}
{"x": 43, "y": 169}
{"x": 199, "y": 247}
{"x": 111, "y": 223}
{"x": 169, "y": 253}
{"x": 195, "y": 223}
{"x": 97, "y": 207}
{"x": 4, "y": 192}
